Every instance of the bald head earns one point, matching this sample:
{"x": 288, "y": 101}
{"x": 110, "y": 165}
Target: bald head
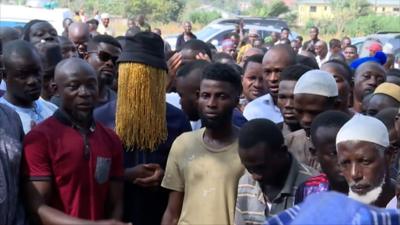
{"x": 70, "y": 67}
{"x": 79, "y": 34}
{"x": 321, "y": 48}
{"x": 282, "y": 53}
{"x": 251, "y": 52}
{"x": 368, "y": 67}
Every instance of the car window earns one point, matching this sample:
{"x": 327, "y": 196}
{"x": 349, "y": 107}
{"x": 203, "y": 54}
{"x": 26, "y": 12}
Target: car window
{"x": 221, "y": 36}
{"x": 206, "y": 32}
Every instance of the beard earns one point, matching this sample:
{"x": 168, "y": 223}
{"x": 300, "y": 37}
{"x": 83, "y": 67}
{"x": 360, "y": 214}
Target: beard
{"x": 369, "y": 197}
{"x": 215, "y": 122}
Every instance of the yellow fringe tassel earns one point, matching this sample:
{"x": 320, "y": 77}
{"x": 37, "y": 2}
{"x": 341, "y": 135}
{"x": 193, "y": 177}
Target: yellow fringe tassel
{"x": 141, "y": 107}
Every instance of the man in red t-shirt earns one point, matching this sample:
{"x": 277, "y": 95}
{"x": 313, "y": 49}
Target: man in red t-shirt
{"x": 73, "y": 165}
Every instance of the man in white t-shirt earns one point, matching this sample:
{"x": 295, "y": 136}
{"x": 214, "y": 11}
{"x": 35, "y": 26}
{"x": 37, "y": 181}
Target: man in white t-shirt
{"x": 23, "y": 76}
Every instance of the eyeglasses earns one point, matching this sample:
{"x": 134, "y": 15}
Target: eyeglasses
{"x": 105, "y": 56}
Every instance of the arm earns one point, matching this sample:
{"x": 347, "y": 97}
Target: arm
{"x": 174, "y": 207}
{"x": 116, "y": 200}
{"x": 37, "y": 194}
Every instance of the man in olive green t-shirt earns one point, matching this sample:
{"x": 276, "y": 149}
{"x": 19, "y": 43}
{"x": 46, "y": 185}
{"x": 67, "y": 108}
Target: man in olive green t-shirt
{"x": 203, "y": 167}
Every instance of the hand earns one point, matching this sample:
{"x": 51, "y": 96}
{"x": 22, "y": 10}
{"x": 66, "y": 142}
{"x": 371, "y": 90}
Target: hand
{"x": 109, "y": 222}
{"x": 139, "y": 171}
{"x": 154, "y": 180}
{"x": 173, "y": 64}
{"x": 202, "y": 56}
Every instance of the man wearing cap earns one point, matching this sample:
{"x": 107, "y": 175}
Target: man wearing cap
{"x": 367, "y": 77}
{"x": 252, "y": 36}
{"x": 315, "y": 92}
{"x": 146, "y": 124}
{"x": 374, "y": 47}
{"x": 104, "y": 27}
{"x": 385, "y": 95}
{"x": 364, "y": 157}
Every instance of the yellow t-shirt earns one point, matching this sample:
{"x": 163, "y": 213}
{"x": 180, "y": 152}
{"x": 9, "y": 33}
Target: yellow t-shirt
{"x": 208, "y": 177}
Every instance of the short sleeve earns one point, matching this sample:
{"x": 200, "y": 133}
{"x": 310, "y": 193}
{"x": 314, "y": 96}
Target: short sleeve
{"x": 36, "y": 164}
{"x": 117, "y": 168}
{"x": 173, "y": 178}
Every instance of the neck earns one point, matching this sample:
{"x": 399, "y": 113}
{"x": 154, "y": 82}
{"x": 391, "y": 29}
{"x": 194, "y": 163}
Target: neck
{"x": 293, "y": 126}
{"x": 14, "y": 101}
{"x": 102, "y": 91}
{"x": 221, "y": 136}
{"x": 357, "y": 105}
{"x": 82, "y": 121}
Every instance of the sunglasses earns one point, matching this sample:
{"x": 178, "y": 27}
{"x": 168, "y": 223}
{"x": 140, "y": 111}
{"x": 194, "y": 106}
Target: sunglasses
{"x": 104, "y": 56}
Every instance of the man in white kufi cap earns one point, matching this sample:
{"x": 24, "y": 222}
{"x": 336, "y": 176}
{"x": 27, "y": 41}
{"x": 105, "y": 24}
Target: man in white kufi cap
{"x": 364, "y": 157}
{"x": 315, "y": 92}
{"x": 104, "y": 27}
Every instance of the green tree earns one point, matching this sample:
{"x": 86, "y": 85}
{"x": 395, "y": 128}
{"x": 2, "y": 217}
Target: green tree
{"x": 345, "y": 11}
{"x": 274, "y": 9}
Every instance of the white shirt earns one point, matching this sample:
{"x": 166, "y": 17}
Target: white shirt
{"x": 263, "y": 107}
{"x": 3, "y": 85}
{"x": 326, "y": 59}
{"x": 392, "y": 204}
{"x": 105, "y": 30}
{"x": 32, "y": 116}
{"x": 195, "y": 125}
{"x": 174, "y": 99}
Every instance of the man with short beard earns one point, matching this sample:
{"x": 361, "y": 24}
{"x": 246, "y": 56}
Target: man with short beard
{"x": 364, "y": 157}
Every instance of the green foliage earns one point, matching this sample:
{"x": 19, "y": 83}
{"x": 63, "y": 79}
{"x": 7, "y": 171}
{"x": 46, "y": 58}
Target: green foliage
{"x": 372, "y": 24}
{"x": 259, "y": 8}
{"x": 345, "y": 11}
{"x": 156, "y": 10}
{"x": 204, "y": 17}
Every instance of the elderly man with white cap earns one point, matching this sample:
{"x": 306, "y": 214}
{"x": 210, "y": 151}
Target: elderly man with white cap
{"x": 362, "y": 146}
{"x": 104, "y": 27}
{"x": 315, "y": 92}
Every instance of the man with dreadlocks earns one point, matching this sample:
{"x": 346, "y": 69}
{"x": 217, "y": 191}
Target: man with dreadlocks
{"x": 141, "y": 95}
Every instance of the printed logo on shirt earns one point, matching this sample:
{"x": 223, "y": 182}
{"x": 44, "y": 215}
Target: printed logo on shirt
{"x": 102, "y": 169}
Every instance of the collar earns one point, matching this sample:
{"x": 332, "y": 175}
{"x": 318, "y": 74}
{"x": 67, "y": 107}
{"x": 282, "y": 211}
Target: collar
{"x": 66, "y": 120}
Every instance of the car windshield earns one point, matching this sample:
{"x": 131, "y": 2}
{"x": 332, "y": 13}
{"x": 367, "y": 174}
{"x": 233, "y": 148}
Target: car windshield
{"x": 206, "y": 32}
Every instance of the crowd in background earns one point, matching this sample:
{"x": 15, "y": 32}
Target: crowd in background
{"x": 97, "y": 129}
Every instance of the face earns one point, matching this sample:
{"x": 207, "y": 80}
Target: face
{"x": 48, "y": 86}
{"x": 80, "y": 39}
{"x": 231, "y": 50}
{"x": 313, "y": 34}
{"x": 308, "y": 106}
{"x": 216, "y": 102}
{"x": 104, "y": 62}
{"x": 235, "y": 40}
{"x": 187, "y": 27}
{"x": 346, "y": 42}
{"x": 320, "y": 49}
{"x": 366, "y": 79}
{"x": 273, "y": 64}
{"x": 43, "y": 35}
{"x": 105, "y": 21}
{"x": 342, "y": 84}
{"x": 263, "y": 164}
{"x": 350, "y": 54}
{"x": 131, "y": 24}
{"x": 295, "y": 45}
{"x": 362, "y": 164}
{"x": 78, "y": 93}
{"x": 284, "y": 34}
{"x": 68, "y": 49}
{"x": 252, "y": 38}
{"x": 252, "y": 82}
{"x": 325, "y": 143}
{"x": 379, "y": 102}
{"x": 286, "y": 101}
{"x": 24, "y": 79}
{"x": 187, "y": 88}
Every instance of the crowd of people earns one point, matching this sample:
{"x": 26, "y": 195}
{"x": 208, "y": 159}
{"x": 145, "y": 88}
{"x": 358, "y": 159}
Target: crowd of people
{"x": 96, "y": 129}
